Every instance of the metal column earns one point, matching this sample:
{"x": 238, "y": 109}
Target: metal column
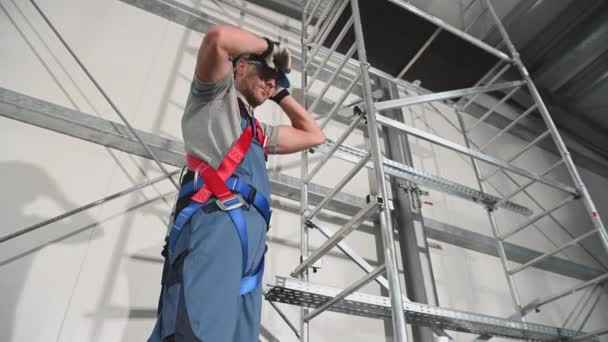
{"x": 385, "y": 216}
{"x": 398, "y": 149}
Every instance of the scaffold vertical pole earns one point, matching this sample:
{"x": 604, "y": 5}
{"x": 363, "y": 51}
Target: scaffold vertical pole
{"x": 399, "y": 327}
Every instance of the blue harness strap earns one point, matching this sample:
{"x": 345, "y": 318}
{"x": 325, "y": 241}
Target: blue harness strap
{"x": 234, "y": 209}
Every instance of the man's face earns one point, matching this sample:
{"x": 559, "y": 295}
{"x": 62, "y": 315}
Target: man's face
{"x": 255, "y": 81}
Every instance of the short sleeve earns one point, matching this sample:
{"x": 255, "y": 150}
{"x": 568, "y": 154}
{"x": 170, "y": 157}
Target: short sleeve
{"x": 208, "y": 90}
{"x": 272, "y": 134}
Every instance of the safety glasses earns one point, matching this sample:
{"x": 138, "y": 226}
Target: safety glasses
{"x": 265, "y": 72}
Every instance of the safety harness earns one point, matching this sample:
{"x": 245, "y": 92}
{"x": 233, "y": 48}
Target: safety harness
{"x": 230, "y": 194}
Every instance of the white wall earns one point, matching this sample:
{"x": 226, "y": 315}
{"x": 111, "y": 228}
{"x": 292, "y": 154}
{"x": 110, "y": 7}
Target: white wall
{"x": 95, "y": 276}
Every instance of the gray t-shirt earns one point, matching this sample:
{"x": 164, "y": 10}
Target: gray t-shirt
{"x": 212, "y": 123}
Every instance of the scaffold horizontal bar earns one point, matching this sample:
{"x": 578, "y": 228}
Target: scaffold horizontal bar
{"x": 472, "y": 153}
{"x": 296, "y": 292}
{"x": 446, "y": 95}
{"x": 406, "y": 172}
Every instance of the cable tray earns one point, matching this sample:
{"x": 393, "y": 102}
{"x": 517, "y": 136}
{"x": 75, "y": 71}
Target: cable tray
{"x": 406, "y": 172}
{"x": 296, "y": 292}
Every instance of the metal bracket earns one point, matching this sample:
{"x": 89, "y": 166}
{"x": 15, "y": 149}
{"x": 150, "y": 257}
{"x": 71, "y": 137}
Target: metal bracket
{"x": 377, "y": 199}
{"x": 359, "y": 112}
{"x": 413, "y": 189}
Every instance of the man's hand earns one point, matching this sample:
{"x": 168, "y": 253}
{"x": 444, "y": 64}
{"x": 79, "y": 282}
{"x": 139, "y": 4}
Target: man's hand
{"x": 277, "y": 56}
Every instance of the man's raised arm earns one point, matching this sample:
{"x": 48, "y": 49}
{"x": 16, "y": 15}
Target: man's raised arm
{"x": 220, "y": 43}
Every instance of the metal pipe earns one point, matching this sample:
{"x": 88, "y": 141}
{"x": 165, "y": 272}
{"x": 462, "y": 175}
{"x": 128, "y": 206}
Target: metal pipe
{"x": 334, "y": 109}
{"x": 326, "y": 29}
{"x": 85, "y": 207}
{"x": 329, "y": 82}
{"x": 420, "y": 52}
{"x": 452, "y": 29}
{"x": 519, "y": 153}
{"x": 492, "y": 80}
{"x": 351, "y": 225}
{"x": 340, "y": 185}
{"x": 284, "y": 317}
{"x": 499, "y": 244}
{"x": 319, "y": 44}
{"x": 330, "y": 53}
{"x": 398, "y": 318}
{"x": 312, "y": 13}
{"x": 540, "y": 302}
{"x": 304, "y": 327}
{"x": 589, "y": 205}
{"x": 352, "y": 288}
{"x": 523, "y": 187}
{"x": 103, "y": 93}
{"x": 508, "y": 127}
{"x": 536, "y": 218}
{"x": 445, "y": 95}
{"x": 321, "y": 21}
{"x": 493, "y": 108}
{"x": 333, "y": 149}
{"x": 554, "y": 251}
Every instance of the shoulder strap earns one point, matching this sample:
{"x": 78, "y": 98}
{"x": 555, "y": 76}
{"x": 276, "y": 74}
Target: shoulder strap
{"x": 231, "y": 161}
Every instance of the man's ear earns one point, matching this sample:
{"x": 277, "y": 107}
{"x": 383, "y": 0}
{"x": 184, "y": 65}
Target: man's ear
{"x": 240, "y": 67}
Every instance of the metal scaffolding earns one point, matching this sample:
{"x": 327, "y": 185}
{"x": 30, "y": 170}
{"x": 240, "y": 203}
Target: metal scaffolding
{"x": 352, "y": 76}
{"x": 318, "y": 53}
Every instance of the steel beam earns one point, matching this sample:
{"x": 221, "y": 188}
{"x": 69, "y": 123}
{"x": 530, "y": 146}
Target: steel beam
{"x": 66, "y": 121}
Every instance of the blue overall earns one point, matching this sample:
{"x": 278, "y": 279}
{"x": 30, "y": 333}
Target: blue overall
{"x": 201, "y": 294}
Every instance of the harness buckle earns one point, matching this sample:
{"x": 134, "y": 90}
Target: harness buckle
{"x": 195, "y": 181}
{"x": 225, "y": 207}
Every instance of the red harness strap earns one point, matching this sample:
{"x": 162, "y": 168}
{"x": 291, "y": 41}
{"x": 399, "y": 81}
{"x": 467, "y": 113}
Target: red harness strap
{"x": 215, "y": 180}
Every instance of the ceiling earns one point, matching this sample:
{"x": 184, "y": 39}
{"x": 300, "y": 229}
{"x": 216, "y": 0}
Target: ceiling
{"x": 563, "y": 43}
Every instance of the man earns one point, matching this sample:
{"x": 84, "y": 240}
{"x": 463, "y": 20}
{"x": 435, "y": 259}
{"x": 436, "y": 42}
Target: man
{"x": 213, "y": 269}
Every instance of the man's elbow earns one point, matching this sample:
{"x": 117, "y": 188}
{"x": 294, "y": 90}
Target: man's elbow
{"x": 215, "y": 35}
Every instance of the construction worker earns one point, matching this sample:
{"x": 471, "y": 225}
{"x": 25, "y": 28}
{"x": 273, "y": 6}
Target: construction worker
{"x": 211, "y": 287}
